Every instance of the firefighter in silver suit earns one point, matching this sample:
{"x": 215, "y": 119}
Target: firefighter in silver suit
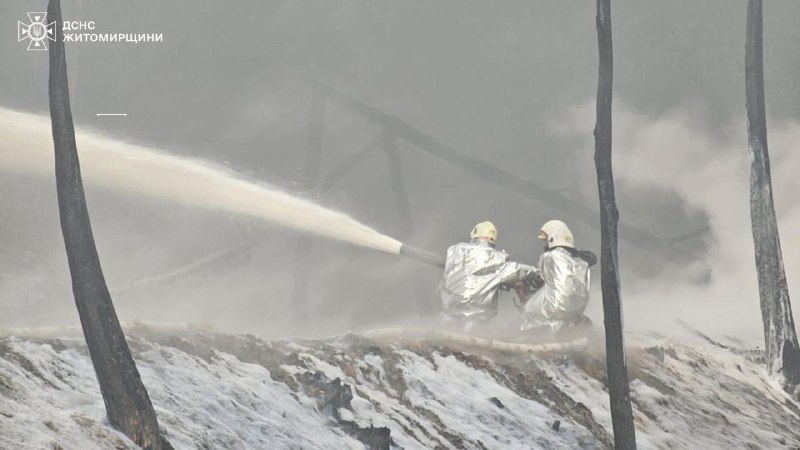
{"x": 561, "y": 301}
{"x": 474, "y": 274}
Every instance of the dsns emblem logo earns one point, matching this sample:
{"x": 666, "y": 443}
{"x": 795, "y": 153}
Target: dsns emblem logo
{"x": 38, "y": 31}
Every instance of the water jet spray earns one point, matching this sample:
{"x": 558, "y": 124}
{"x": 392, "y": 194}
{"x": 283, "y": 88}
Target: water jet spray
{"x": 27, "y": 148}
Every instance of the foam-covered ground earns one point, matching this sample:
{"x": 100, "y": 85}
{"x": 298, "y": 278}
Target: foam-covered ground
{"x": 351, "y": 392}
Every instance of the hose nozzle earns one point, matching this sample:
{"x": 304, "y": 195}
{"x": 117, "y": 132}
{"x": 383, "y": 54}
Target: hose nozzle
{"x": 421, "y": 255}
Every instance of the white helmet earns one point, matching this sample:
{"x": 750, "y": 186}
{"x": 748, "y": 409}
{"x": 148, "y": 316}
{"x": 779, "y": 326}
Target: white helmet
{"x": 485, "y": 230}
{"x": 556, "y": 234}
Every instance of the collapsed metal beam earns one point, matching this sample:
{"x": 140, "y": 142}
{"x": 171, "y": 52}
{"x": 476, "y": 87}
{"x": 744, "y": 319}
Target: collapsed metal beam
{"x": 693, "y": 234}
{"x": 398, "y": 183}
{"x": 193, "y": 267}
{"x": 351, "y": 162}
{"x": 316, "y": 129}
{"x": 572, "y": 209}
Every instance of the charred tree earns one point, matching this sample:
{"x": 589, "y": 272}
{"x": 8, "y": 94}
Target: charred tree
{"x": 127, "y": 403}
{"x": 783, "y": 356}
{"x": 618, "y": 389}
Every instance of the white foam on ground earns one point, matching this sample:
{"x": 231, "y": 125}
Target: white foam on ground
{"x": 219, "y": 404}
{"x": 692, "y": 396}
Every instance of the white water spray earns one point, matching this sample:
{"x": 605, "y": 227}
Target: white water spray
{"x": 26, "y": 146}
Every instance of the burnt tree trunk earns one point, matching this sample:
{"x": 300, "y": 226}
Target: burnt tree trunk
{"x": 127, "y": 403}
{"x": 618, "y": 389}
{"x": 783, "y": 357}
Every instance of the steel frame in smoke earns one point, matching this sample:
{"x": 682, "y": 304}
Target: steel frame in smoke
{"x": 392, "y": 128}
{"x": 665, "y": 248}
{"x": 385, "y": 140}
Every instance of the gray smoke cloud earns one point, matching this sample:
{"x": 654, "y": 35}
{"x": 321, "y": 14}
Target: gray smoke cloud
{"x": 708, "y": 170}
{"x": 232, "y": 84}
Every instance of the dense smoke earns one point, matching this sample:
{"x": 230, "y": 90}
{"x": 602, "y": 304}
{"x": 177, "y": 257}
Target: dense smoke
{"x": 233, "y": 86}
{"x": 708, "y": 171}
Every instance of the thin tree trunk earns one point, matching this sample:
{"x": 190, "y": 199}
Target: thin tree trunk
{"x": 783, "y": 357}
{"x": 127, "y": 403}
{"x": 618, "y": 389}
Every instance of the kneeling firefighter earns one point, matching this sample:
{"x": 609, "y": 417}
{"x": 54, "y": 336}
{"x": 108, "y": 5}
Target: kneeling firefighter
{"x": 560, "y": 302}
{"x": 474, "y": 273}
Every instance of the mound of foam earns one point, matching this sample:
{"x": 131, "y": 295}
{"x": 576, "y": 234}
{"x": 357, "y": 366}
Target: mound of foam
{"x": 353, "y": 391}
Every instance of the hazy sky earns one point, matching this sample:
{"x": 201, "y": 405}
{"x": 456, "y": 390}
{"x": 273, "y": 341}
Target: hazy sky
{"x": 512, "y": 83}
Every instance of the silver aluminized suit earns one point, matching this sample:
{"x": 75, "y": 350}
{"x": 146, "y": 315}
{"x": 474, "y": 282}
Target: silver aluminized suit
{"x": 473, "y": 274}
{"x": 561, "y": 301}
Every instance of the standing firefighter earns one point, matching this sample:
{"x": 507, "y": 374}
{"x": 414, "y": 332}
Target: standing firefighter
{"x": 474, "y": 272}
{"x": 561, "y": 301}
